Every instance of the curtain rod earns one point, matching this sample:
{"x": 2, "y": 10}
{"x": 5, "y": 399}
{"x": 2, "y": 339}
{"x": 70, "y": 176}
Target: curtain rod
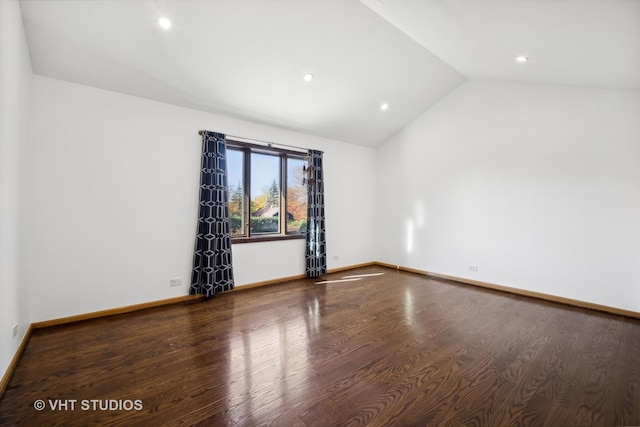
{"x": 269, "y": 144}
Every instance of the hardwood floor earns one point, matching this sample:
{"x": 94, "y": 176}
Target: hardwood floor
{"x": 390, "y": 349}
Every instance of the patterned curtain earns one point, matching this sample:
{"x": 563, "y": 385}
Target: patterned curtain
{"x": 316, "y": 252}
{"x": 212, "y": 267}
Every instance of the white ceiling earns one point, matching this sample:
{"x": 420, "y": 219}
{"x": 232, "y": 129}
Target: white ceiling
{"x": 246, "y": 58}
{"x": 574, "y": 42}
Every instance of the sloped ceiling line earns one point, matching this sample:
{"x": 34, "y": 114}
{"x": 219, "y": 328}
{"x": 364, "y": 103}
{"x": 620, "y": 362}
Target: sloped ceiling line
{"x": 247, "y": 58}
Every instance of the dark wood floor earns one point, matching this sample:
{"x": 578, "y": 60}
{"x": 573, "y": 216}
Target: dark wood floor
{"x": 392, "y": 349}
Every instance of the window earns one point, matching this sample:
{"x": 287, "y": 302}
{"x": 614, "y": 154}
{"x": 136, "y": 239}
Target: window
{"x": 267, "y": 196}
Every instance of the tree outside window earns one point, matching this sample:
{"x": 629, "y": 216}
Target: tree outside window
{"x": 267, "y": 196}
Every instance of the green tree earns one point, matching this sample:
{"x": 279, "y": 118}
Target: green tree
{"x": 273, "y": 196}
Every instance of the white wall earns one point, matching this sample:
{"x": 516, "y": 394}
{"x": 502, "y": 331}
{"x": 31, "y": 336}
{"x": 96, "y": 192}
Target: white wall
{"x": 15, "y": 79}
{"x": 113, "y": 200}
{"x": 539, "y": 186}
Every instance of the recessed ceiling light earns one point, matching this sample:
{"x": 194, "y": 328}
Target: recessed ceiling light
{"x": 384, "y": 107}
{"x": 164, "y": 23}
{"x": 522, "y": 59}
{"x": 308, "y": 77}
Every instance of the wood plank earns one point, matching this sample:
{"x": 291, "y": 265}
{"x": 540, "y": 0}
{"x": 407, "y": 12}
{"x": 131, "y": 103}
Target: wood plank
{"x": 392, "y": 349}
{"x": 518, "y": 291}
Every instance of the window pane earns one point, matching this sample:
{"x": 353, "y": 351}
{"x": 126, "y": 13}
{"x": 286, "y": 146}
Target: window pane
{"x": 265, "y": 193}
{"x": 235, "y": 171}
{"x": 296, "y": 196}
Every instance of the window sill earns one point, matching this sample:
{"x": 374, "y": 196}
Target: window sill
{"x": 271, "y": 238}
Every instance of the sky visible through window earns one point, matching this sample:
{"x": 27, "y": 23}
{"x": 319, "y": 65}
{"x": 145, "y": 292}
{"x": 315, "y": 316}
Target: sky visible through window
{"x": 264, "y": 171}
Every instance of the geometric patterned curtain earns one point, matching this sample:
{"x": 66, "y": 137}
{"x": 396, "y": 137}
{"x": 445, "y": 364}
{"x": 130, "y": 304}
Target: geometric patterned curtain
{"x": 212, "y": 266}
{"x": 316, "y": 246}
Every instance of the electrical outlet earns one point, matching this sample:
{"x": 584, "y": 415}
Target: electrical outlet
{"x": 175, "y": 282}
{"x": 473, "y": 268}
{"x": 14, "y": 330}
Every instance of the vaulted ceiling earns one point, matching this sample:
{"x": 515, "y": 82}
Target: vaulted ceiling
{"x": 247, "y": 58}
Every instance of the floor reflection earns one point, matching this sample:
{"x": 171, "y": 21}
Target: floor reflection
{"x": 362, "y": 275}
{"x": 275, "y": 357}
{"x": 336, "y": 281}
{"x": 351, "y": 278}
{"x": 409, "y": 310}
{"x": 269, "y": 367}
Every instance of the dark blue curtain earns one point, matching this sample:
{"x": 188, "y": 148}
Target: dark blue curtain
{"x": 212, "y": 267}
{"x": 316, "y": 251}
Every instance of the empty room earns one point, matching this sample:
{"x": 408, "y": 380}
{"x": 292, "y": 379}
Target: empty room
{"x": 320, "y": 212}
